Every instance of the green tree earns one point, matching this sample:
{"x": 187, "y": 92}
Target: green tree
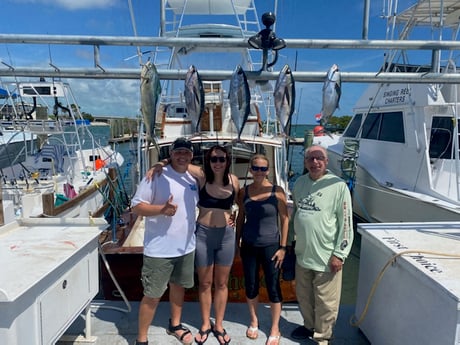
{"x": 338, "y": 123}
{"x": 87, "y": 116}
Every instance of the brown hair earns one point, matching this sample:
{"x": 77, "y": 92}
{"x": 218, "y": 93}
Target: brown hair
{"x": 209, "y": 174}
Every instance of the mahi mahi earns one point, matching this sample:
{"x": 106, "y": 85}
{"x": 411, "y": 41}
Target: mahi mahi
{"x": 332, "y": 90}
{"x": 150, "y": 93}
{"x": 284, "y": 95}
{"x": 194, "y": 97}
{"x": 240, "y": 99}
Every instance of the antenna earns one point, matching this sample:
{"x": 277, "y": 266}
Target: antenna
{"x": 133, "y": 22}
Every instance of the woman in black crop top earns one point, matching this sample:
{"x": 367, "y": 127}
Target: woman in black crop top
{"x": 262, "y": 229}
{"x": 215, "y": 238}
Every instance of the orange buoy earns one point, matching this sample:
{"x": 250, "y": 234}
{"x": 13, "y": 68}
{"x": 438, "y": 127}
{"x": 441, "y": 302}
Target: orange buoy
{"x": 99, "y": 163}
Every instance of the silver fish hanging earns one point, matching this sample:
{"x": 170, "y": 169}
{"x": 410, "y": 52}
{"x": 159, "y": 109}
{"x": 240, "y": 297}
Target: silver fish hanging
{"x": 332, "y": 90}
{"x": 194, "y": 97}
{"x": 150, "y": 94}
{"x": 284, "y": 95}
{"x": 240, "y": 99}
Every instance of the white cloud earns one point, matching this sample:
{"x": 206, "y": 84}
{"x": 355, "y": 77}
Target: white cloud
{"x": 114, "y": 97}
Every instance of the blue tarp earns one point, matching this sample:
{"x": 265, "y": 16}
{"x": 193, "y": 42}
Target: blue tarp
{"x": 4, "y": 94}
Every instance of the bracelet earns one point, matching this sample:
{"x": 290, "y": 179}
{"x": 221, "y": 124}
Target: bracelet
{"x": 282, "y": 247}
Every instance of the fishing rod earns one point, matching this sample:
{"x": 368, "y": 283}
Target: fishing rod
{"x": 28, "y": 171}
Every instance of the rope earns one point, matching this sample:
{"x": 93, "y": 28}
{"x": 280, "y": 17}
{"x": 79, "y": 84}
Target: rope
{"x": 356, "y": 322}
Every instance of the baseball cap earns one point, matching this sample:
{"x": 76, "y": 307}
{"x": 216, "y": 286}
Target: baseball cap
{"x": 182, "y": 143}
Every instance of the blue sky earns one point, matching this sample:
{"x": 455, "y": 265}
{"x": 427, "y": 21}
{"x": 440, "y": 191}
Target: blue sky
{"x": 307, "y": 19}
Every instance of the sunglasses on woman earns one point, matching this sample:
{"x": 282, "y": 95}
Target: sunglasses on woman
{"x": 256, "y": 168}
{"x": 216, "y": 159}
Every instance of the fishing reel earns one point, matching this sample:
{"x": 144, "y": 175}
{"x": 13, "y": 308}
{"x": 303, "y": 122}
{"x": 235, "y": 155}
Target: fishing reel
{"x": 266, "y": 40}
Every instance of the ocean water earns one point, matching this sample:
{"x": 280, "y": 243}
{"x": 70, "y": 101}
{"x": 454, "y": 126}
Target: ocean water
{"x": 295, "y": 154}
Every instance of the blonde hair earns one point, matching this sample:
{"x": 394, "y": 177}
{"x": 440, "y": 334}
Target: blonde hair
{"x": 259, "y": 156}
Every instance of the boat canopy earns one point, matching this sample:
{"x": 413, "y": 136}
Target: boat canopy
{"x": 212, "y": 7}
{"x": 432, "y": 13}
{"x": 210, "y": 30}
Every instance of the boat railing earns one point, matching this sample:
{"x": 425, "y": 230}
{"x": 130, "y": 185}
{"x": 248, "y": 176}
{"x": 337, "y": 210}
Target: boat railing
{"x": 33, "y": 126}
{"x": 244, "y": 11}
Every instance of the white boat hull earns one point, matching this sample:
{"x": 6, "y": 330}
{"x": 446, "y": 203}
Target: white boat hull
{"x": 417, "y": 299}
{"x": 374, "y": 202}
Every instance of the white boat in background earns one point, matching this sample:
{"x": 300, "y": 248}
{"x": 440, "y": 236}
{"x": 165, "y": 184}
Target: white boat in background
{"x": 400, "y": 152}
{"x": 215, "y": 126}
{"x": 45, "y": 168}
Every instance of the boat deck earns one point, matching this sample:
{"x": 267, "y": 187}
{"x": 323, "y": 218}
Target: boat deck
{"x": 112, "y": 327}
{"x": 118, "y": 326}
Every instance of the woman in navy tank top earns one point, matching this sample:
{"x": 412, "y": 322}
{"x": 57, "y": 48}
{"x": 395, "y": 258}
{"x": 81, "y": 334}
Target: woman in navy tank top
{"x": 261, "y": 232}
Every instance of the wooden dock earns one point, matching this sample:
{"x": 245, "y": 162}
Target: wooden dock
{"x": 124, "y": 138}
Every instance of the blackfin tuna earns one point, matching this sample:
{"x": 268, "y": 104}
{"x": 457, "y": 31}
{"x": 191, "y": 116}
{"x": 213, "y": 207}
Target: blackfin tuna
{"x": 240, "y": 99}
{"x": 150, "y": 94}
{"x": 194, "y": 97}
{"x": 332, "y": 89}
{"x": 284, "y": 95}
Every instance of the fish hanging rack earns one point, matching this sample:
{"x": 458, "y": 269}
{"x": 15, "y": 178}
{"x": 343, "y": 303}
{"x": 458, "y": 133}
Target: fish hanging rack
{"x": 100, "y": 72}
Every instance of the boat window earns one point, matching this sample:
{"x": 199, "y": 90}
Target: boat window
{"x": 392, "y": 127}
{"x": 384, "y": 127}
{"x": 353, "y": 127}
{"x": 371, "y": 126}
{"x": 442, "y": 129}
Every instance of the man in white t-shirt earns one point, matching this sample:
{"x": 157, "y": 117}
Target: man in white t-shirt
{"x": 168, "y": 204}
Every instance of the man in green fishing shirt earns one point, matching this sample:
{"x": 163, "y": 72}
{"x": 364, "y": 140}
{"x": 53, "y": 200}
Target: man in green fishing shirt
{"x": 322, "y": 222}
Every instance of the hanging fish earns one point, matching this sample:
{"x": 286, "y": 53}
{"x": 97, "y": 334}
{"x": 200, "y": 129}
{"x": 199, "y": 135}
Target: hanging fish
{"x": 240, "y": 99}
{"x": 332, "y": 90}
{"x": 284, "y": 95}
{"x": 194, "y": 97}
{"x": 150, "y": 93}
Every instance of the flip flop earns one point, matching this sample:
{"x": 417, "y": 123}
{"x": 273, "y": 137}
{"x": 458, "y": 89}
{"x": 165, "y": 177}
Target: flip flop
{"x": 222, "y": 334}
{"x": 180, "y": 327}
{"x": 273, "y": 340}
{"x": 202, "y": 334}
{"x": 252, "y": 332}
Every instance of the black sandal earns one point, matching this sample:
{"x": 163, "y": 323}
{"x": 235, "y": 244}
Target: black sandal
{"x": 222, "y": 334}
{"x": 202, "y": 334}
{"x": 141, "y": 342}
{"x": 180, "y": 327}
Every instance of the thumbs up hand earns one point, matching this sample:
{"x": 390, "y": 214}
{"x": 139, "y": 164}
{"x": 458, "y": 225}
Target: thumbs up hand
{"x": 169, "y": 209}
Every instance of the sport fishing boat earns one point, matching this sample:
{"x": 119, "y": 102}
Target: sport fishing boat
{"x": 400, "y": 151}
{"x": 52, "y": 165}
{"x": 204, "y": 112}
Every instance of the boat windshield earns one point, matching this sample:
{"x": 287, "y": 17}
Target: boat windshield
{"x": 382, "y": 126}
{"x": 441, "y": 138}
